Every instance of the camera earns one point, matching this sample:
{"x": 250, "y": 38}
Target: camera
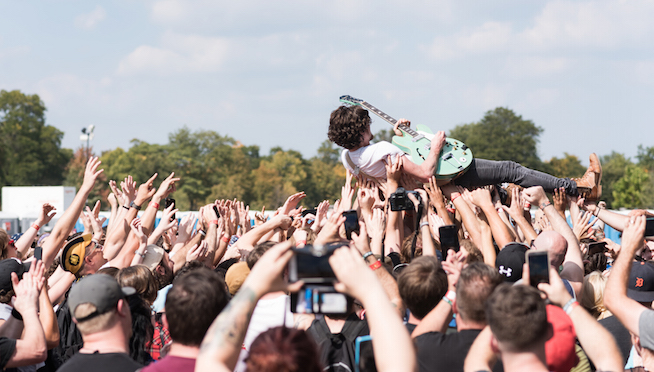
{"x": 317, "y": 296}
{"x": 400, "y": 199}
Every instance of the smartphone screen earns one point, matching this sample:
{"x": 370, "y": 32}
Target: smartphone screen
{"x": 351, "y": 223}
{"x": 596, "y": 247}
{"x": 649, "y": 227}
{"x": 38, "y": 253}
{"x": 363, "y": 354}
{"x": 169, "y": 202}
{"x": 309, "y": 211}
{"x": 319, "y": 299}
{"x": 539, "y": 267}
{"x": 449, "y": 238}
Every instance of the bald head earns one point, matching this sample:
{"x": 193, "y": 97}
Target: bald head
{"x": 555, "y": 243}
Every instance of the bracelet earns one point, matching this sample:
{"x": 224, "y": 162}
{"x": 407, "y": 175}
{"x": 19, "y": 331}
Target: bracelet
{"x": 36, "y": 227}
{"x": 450, "y": 302}
{"x": 225, "y": 239}
{"x": 454, "y": 196}
{"x": 135, "y": 206}
{"x": 154, "y": 205}
{"x": 569, "y": 306}
{"x": 367, "y": 254}
{"x": 202, "y": 232}
{"x": 300, "y": 242}
{"x": 97, "y": 243}
{"x": 213, "y": 222}
{"x": 597, "y": 210}
{"x": 139, "y": 253}
{"x": 16, "y": 314}
{"x": 451, "y": 295}
{"x": 375, "y": 265}
{"x": 424, "y": 224}
{"x": 126, "y": 207}
{"x": 544, "y": 205}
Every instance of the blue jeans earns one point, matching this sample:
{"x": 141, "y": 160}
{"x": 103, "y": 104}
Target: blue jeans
{"x": 484, "y": 172}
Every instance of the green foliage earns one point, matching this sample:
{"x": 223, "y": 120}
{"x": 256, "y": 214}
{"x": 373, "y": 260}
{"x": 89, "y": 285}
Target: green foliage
{"x": 646, "y": 157}
{"x": 633, "y": 189}
{"x": 569, "y": 166}
{"x": 30, "y": 150}
{"x": 613, "y": 168}
{"x": 383, "y": 135}
{"x": 328, "y": 153}
{"x": 502, "y": 135}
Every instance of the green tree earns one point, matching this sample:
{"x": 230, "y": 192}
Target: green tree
{"x": 502, "y": 135}
{"x": 646, "y": 157}
{"x": 383, "y": 135}
{"x": 613, "y": 168}
{"x": 633, "y": 189}
{"x": 568, "y": 166}
{"x": 30, "y": 150}
{"x": 328, "y": 153}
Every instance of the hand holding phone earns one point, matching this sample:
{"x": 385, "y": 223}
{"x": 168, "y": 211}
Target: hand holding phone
{"x": 539, "y": 267}
{"x": 449, "y": 238}
{"x": 351, "y": 223}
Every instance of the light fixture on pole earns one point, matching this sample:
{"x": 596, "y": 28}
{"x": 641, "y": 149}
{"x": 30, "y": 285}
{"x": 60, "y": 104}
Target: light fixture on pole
{"x": 87, "y": 135}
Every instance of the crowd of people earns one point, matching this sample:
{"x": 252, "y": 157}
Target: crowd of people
{"x": 227, "y": 289}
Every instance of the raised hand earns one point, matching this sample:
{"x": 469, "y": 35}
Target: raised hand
{"x": 129, "y": 190}
{"x": 434, "y": 192}
{"x": 118, "y": 194}
{"x": 91, "y": 173}
{"x": 360, "y": 241}
{"x": 46, "y": 214}
{"x": 560, "y": 199}
{"x": 581, "y": 225}
{"x": 27, "y": 290}
{"x": 394, "y": 169}
{"x": 167, "y": 187}
{"x": 146, "y": 191}
{"x": 198, "y": 252}
{"x": 137, "y": 229}
{"x": 292, "y": 202}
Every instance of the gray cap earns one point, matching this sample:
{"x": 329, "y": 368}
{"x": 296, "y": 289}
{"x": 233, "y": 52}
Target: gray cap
{"x": 100, "y": 290}
{"x": 153, "y": 256}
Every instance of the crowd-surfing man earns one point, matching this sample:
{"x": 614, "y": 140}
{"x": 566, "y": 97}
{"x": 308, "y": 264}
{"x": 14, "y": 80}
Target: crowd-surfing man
{"x": 441, "y": 279}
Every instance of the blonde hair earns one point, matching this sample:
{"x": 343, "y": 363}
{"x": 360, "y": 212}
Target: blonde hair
{"x": 96, "y": 324}
{"x": 592, "y": 295}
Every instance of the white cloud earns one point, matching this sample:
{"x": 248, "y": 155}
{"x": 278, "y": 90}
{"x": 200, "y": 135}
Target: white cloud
{"x": 179, "y": 54}
{"x": 90, "y": 20}
{"x": 529, "y": 66}
{"x": 489, "y": 37}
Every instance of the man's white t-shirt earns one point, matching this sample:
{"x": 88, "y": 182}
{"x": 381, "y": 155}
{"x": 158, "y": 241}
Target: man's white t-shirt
{"x": 369, "y": 159}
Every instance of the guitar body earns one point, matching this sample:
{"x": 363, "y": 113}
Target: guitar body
{"x": 455, "y": 157}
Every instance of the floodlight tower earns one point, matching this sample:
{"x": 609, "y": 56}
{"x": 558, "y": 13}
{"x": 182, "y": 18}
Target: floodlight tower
{"x": 87, "y": 135}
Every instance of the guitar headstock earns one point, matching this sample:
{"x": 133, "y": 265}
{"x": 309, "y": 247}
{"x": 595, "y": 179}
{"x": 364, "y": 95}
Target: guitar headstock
{"x": 350, "y": 100}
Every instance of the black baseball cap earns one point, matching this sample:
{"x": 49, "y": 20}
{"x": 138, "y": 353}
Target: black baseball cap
{"x": 8, "y": 266}
{"x": 641, "y": 282}
{"x": 510, "y": 260}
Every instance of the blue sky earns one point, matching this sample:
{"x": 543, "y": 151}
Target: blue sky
{"x": 268, "y": 73}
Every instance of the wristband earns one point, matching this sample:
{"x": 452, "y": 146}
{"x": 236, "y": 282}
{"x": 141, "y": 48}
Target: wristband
{"x": 135, "y": 206}
{"x": 375, "y": 265}
{"x": 36, "y": 227}
{"x": 202, "y": 232}
{"x": 449, "y": 302}
{"x": 126, "y": 207}
{"x": 596, "y": 213}
{"x": 16, "y": 314}
{"x": 424, "y": 224}
{"x": 570, "y": 305}
{"x": 527, "y": 205}
{"x": 225, "y": 239}
{"x": 366, "y": 255}
{"x": 139, "y": 253}
{"x": 544, "y": 205}
{"x": 154, "y": 205}
{"x": 450, "y": 295}
{"x": 213, "y": 222}
{"x": 300, "y": 242}
{"x": 454, "y": 196}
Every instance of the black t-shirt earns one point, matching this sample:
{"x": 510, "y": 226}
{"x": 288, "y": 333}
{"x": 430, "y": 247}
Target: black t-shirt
{"x": 620, "y": 333}
{"x": 445, "y": 352}
{"x": 96, "y": 362}
{"x": 7, "y": 348}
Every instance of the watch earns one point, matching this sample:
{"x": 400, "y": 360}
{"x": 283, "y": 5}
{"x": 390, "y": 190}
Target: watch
{"x": 133, "y": 205}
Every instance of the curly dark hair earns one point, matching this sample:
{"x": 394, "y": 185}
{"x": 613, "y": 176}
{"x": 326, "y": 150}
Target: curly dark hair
{"x": 347, "y": 124}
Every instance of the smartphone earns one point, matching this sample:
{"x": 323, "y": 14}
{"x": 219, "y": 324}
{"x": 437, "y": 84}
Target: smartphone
{"x": 309, "y": 211}
{"x": 38, "y": 253}
{"x": 311, "y": 265}
{"x": 364, "y": 359}
{"x": 319, "y": 299}
{"x": 649, "y": 227}
{"x": 351, "y": 223}
{"x": 449, "y": 238}
{"x": 215, "y": 209}
{"x": 539, "y": 266}
{"x": 169, "y": 202}
{"x": 596, "y": 247}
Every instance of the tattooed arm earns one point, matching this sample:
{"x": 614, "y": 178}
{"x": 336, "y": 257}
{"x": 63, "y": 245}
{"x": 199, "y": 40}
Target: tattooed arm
{"x": 222, "y": 343}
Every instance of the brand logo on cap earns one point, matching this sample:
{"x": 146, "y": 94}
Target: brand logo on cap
{"x": 639, "y": 282}
{"x": 506, "y": 271}
{"x": 73, "y": 259}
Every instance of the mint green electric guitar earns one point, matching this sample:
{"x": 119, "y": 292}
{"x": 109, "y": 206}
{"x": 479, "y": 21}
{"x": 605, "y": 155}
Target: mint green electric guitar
{"x": 454, "y": 159}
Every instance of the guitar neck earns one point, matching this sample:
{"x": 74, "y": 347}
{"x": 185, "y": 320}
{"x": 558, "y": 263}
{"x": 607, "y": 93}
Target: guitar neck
{"x": 389, "y": 119}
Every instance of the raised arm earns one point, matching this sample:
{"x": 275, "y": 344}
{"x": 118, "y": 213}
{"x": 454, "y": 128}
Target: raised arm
{"x": 67, "y": 221}
{"x": 481, "y": 197}
{"x": 25, "y": 242}
{"x": 627, "y": 311}
{"x": 425, "y": 171}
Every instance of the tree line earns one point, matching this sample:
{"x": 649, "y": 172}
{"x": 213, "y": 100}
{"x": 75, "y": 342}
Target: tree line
{"x": 213, "y": 166}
